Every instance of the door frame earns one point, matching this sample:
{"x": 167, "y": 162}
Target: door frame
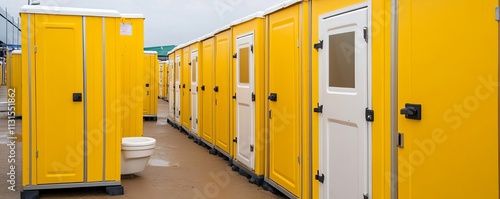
{"x": 194, "y": 93}
{"x": 369, "y": 94}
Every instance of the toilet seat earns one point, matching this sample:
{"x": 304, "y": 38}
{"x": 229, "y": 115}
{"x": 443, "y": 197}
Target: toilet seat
{"x": 137, "y": 143}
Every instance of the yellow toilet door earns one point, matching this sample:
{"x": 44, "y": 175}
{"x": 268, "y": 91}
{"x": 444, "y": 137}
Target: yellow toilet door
{"x": 447, "y": 100}
{"x": 59, "y": 99}
{"x": 147, "y": 85}
{"x": 284, "y": 104}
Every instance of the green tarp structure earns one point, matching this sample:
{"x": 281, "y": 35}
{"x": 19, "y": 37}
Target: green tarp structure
{"x": 162, "y": 50}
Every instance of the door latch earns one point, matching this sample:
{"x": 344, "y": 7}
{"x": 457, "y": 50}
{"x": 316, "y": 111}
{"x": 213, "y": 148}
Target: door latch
{"x": 369, "y": 115}
{"x": 216, "y": 89}
{"x": 412, "y": 111}
{"x": 273, "y": 97}
{"x": 251, "y": 148}
{"x": 253, "y": 97}
{"x": 77, "y": 97}
{"x": 235, "y": 140}
{"x": 203, "y": 87}
{"x": 318, "y": 109}
{"x": 234, "y": 96}
{"x": 320, "y": 178}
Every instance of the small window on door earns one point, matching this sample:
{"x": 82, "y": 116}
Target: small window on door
{"x": 342, "y": 60}
{"x": 244, "y": 64}
{"x": 193, "y": 70}
{"x": 177, "y": 73}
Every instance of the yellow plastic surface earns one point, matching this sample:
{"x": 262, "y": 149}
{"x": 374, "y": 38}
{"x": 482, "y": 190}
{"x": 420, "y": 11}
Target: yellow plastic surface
{"x": 223, "y": 56}
{"x": 206, "y": 97}
{"x": 133, "y": 76}
{"x": 186, "y": 89}
{"x": 14, "y": 78}
{"x": 151, "y": 79}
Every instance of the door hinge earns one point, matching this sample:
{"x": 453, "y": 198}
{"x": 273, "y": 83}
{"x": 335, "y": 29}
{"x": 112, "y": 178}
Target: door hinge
{"x": 320, "y": 178}
{"x": 270, "y": 114}
{"x": 251, "y": 48}
{"x": 401, "y": 140}
{"x": 190, "y": 63}
{"x": 179, "y": 112}
{"x": 365, "y": 33}
{"x": 298, "y": 159}
{"x": 37, "y": 154}
{"x": 196, "y": 121}
{"x": 251, "y": 148}
{"x": 365, "y": 196}
{"x": 235, "y": 140}
{"x": 369, "y": 115}
{"x": 235, "y": 55}
{"x": 197, "y": 89}
{"x": 253, "y": 97}
{"x": 318, "y": 109}
{"x": 497, "y": 13}
{"x": 36, "y": 49}
{"x": 319, "y": 45}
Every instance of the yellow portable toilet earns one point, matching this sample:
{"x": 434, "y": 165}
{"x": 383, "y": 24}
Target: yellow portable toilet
{"x": 222, "y": 89}
{"x": 14, "y": 78}
{"x": 132, "y": 44}
{"x": 160, "y": 82}
{"x": 171, "y": 87}
{"x": 206, "y": 94}
{"x": 248, "y": 88}
{"x": 77, "y": 150}
{"x": 288, "y": 99}
{"x": 150, "y": 106}
{"x": 436, "y": 117}
{"x": 185, "y": 110}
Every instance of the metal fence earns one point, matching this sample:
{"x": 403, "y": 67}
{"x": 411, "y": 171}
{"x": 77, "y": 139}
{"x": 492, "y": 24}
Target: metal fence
{"x": 10, "y": 31}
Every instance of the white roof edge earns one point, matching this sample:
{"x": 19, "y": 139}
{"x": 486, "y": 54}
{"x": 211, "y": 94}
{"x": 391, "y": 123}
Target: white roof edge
{"x": 132, "y": 16}
{"x": 16, "y": 52}
{"x": 204, "y": 37}
{"x": 222, "y": 29}
{"x": 54, "y": 10}
{"x": 259, "y": 14}
{"x": 150, "y": 52}
{"x": 164, "y": 62}
{"x": 281, "y": 6}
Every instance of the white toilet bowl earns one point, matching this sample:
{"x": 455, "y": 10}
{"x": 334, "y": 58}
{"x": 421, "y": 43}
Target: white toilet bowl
{"x": 135, "y": 153}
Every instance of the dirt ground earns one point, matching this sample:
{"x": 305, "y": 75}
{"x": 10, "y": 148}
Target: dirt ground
{"x": 179, "y": 168}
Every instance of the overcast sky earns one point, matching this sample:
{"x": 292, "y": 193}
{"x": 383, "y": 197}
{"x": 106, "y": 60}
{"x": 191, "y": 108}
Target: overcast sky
{"x": 167, "y": 21}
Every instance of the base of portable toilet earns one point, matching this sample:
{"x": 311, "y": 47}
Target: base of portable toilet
{"x": 113, "y": 189}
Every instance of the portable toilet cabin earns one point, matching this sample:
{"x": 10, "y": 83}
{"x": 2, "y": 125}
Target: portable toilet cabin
{"x": 206, "y": 93}
{"x": 150, "y": 85}
{"x": 222, "y": 92}
{"x": 186, "y": 106}
{"x": 132, "y": 43}
{"x": 77, "y": 55}
{"x": 194, "y": 67}
{"x": 247, "y": 83}
{"x": 160, "y": 79}
{"x": 178, "y": 85}
{"x": 14, "y": 82}
{"x": 171, "y": 87}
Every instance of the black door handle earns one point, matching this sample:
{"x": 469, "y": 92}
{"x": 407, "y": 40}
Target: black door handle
{"x": 412, "y": 111}
{"x": 203, "y": 87}
{"x": 273, "y": 97}
{"x": 216, "y": 89}
{"x": 77, "y": 97}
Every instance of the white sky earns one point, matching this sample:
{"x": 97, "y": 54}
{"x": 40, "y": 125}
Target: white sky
{"x": 167, "y": 21}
